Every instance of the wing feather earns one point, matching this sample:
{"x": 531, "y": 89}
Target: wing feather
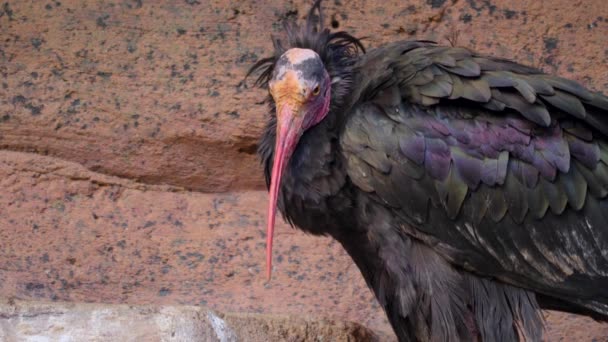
{"x": 503, "y": 164}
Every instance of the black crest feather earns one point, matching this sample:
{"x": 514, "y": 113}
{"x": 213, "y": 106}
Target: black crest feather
{"x": 336, "y": 49}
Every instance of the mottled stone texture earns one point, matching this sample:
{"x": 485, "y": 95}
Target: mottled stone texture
{"x": 149, "y": 190}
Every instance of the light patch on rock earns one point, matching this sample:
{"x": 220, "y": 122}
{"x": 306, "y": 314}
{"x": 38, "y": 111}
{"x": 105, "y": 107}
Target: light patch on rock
{"x": 221, "y": 329}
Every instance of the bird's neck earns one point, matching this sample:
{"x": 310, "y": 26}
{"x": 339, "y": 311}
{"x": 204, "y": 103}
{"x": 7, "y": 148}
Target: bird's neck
{"x": 314, "y": 173}
{"x": 317, "y": 146}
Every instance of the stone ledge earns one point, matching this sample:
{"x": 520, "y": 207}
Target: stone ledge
{"x": 56, "y": 321}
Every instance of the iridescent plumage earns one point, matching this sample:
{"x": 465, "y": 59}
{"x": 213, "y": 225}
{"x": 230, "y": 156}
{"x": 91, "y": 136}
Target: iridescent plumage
{"x": 468, "y": 189}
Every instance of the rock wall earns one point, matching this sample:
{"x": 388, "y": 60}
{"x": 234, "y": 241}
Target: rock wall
{"x": 128, "y": 171}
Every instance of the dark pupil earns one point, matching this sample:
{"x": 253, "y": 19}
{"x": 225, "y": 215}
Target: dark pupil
{"x": 316, "y": 90}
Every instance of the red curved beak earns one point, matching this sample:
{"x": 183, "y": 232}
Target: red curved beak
{"x": 289, "y": 130}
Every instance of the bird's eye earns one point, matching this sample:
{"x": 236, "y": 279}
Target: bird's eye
{"x": 316, "y": 90}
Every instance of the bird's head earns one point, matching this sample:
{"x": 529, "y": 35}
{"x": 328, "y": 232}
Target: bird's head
{"x": 305, "y": 79}
{"x": 300, "y": 87}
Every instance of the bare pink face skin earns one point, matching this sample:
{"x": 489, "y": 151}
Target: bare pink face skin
{"x": 301, "y": 90}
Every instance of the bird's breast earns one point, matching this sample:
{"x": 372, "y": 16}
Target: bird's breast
{"x": 313, "y": 188}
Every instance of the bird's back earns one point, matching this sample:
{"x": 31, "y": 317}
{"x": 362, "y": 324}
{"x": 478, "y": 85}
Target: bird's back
{"x": 499, "y": 170}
